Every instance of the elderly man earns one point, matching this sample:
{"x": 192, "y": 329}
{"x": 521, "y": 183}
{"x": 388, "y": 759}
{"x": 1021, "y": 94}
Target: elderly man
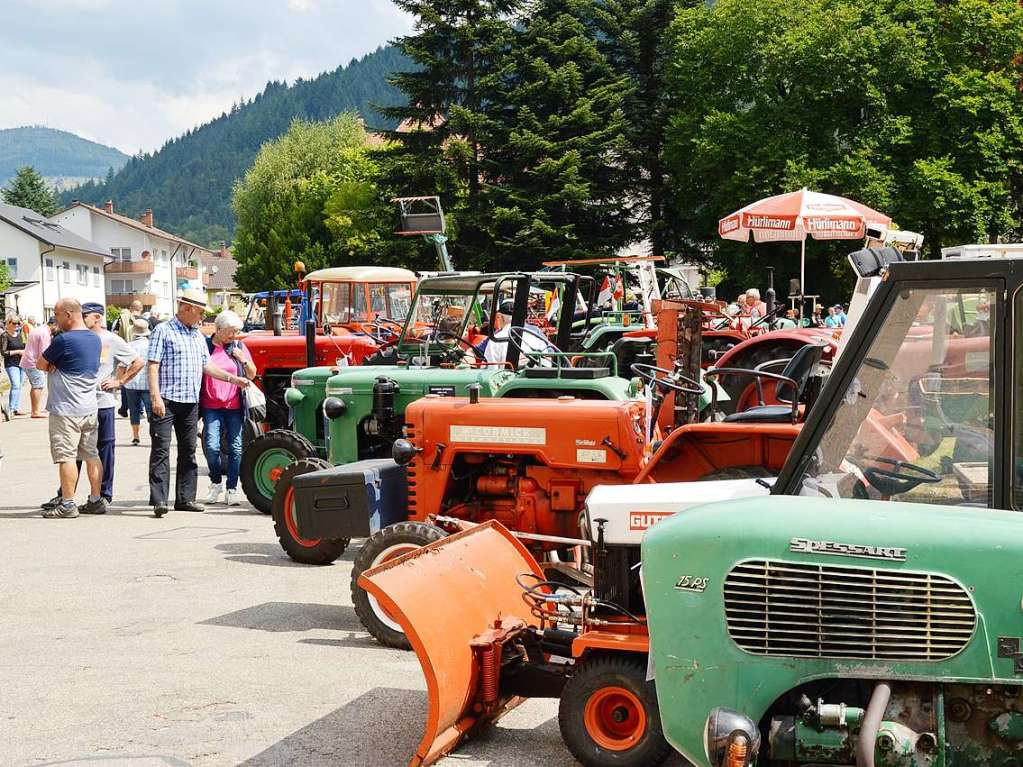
{"x": 118, "y": 364}
{"x": 178, "y": 356}
{"x": 72, "y": 360}
{"x": 529, "y": 339}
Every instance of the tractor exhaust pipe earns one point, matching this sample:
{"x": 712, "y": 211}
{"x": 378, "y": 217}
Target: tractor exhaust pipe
{"x": 871, "y": 724}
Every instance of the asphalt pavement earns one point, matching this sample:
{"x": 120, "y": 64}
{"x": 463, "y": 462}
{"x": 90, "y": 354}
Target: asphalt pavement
{"x": 193, "y": 640}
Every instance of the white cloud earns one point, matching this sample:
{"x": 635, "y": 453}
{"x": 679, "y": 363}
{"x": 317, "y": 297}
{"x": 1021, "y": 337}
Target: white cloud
{"x": 135, "y": 75}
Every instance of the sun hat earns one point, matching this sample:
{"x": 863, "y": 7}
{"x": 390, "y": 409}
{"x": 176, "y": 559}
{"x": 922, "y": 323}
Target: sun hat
{"x": 140, "y": 327}
{"x": 192, "y": 297}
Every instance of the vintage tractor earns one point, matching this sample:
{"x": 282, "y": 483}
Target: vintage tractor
{"x": 342, "y": 414}
{"x": 347, "y": 313}
{"x": 825, "y": 629}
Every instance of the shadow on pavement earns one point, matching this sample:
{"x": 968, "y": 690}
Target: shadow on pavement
{"x": 258, "y": 554}
{"x": 380, "y": 727}
{"x": 290, "y": 616}
{"x": 361, "y": 639}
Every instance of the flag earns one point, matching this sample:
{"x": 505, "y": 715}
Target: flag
{"x": 607, "y": 291}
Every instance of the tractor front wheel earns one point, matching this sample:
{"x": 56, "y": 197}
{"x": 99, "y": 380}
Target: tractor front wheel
{"x": 608, "y": 713}
{"x": 264, "y": 460}
{"x": 308, "y": 551}
{"x": 383, "y": 546}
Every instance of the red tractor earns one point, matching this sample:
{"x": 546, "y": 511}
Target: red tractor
{"x": 347, "y": 313}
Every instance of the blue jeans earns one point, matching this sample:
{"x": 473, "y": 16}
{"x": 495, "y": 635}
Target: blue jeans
{"x": 228, "y": 423}
{"x": 15, "y": 373}
{"x": 137, "y": 401}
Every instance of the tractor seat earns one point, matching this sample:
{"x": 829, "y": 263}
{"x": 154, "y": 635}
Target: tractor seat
{"x": 762, "y": 414}
{"x": 575, "y": 374}
{"x": 789, "y": 389}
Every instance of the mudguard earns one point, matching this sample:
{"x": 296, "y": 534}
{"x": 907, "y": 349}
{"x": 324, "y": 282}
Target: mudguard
{"x": 447, "y": 596}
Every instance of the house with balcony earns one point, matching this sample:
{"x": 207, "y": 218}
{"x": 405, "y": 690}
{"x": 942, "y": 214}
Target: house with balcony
{"x": 221, "y": 289}
{"x": 149, "y": 264}
{"x": 46, "y": 262}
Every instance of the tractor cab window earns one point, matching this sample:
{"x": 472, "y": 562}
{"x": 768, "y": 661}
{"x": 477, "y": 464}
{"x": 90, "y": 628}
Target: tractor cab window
{"x": 436, "y": 318}
{"x": 389, "y": 300}
{"x": 336, "y": 303}
{"x": 916, "y": 422}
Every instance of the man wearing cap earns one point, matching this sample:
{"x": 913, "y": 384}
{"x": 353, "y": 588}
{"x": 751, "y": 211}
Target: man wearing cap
{"x": 529, "y": 338}
{"x": 118, "y": 364}
{"x": 178, "y": 356}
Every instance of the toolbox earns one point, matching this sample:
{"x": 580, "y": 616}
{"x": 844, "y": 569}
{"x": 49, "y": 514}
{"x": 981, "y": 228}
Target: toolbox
{"x": 353, "y": 500}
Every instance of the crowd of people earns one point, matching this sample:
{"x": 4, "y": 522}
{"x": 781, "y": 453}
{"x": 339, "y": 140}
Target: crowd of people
{"x": 169, "y": 371}
{"x": 748, "y": 310}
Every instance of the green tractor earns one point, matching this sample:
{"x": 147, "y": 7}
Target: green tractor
{"x": 858, "y": 609}
{"x": 341, "y": 415}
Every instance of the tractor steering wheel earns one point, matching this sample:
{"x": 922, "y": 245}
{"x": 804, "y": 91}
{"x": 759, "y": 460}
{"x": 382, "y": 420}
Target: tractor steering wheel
{"x": 440, "y": 334}
{"x": 901, "y": 478}
{"x": 673, "y": 380}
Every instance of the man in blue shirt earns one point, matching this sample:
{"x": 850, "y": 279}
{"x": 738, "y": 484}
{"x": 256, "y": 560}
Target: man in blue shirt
{"x": 72, "y": 362}
{"x": 178, "y": 357}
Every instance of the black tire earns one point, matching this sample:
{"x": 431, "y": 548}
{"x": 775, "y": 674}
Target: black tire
{"x": 737, "y": 472}
{"x": 281, "y": 440}
{"x": 604, "y": 676}
{"x": 311, "y": 552}
{"x": 375, "y": 551}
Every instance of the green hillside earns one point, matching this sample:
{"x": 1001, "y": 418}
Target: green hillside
{"x": 188, "y": 181}
{"x": 55, "y": 154}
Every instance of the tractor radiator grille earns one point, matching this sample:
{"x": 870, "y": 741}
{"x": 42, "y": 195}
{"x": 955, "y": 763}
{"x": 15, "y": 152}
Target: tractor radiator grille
{"x": 820, "y": 611}
{"x": 412, "y": 473}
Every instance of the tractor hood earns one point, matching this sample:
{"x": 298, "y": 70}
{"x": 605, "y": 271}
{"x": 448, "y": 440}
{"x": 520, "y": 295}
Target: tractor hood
{"x": 416, "y": 382}
{"x": 750, "y": 598}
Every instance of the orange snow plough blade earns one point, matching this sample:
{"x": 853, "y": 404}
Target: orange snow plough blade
{"x": 447, "y": 596}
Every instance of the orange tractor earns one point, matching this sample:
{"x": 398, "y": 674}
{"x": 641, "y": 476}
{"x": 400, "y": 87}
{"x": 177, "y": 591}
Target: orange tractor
{"x": 529, "y": 465}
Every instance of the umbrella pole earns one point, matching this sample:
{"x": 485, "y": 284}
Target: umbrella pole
{"x": 802, "y": 274}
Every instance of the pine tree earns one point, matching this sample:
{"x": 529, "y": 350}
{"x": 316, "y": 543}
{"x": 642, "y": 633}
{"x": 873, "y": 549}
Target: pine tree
{"x": 460, "y": 49}
{"x": 636, "y": 39}
{"x": 556, "y": 156}
{"x": 28, "y": 190}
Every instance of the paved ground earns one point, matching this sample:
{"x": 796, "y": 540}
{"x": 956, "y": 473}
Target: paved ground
{"x": 193, "y": 640}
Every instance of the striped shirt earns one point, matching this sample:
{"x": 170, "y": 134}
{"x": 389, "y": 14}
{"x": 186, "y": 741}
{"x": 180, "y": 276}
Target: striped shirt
{"x": 182, "y": 353}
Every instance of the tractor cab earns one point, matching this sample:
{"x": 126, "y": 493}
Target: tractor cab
{"x": 372, "y": 300}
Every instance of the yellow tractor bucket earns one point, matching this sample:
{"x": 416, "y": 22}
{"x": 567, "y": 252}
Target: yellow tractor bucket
{"x": 457, "y": 599}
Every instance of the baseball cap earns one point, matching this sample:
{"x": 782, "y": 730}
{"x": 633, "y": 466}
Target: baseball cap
{"x": 93, "y": 308}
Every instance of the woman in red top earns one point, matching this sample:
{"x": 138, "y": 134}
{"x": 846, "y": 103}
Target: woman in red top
{"x": 223, "y": 410}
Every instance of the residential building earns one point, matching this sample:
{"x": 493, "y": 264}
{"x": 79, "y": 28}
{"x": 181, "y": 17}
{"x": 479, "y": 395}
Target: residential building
{"x": 47, "y": 262}
{"x": 150, "y": 264}
{"x": 221, "y": 290}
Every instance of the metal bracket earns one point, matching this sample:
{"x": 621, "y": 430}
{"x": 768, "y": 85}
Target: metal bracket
{"x": 1009, "y": 647}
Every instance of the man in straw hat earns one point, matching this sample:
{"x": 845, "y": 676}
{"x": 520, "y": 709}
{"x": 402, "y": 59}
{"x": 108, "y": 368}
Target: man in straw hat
{"x": 178, "y": 356}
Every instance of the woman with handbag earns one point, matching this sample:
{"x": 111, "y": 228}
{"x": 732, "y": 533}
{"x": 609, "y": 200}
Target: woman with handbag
{"x": 223, "y": 407}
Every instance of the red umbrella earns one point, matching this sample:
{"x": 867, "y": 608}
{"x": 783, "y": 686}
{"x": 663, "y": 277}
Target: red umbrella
{"x": 791, "y": 217}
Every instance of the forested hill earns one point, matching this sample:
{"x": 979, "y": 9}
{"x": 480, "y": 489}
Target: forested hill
{"x": 188, "y": 181}
{"x": 55, "y": 154}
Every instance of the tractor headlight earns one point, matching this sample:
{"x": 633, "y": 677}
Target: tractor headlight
{"x": 730, "y": 739}
{"x": 403, "y": 451}
{"x": 334, "y": 407}
{"x": 293, "y": 396}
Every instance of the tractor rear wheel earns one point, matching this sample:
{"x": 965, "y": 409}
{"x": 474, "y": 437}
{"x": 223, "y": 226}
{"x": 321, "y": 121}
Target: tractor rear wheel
{"x": 608, "y": 713}
{"x": 383, "y": 546}
{"x": 308, "y": 551}
{"x": 264, "y": 460}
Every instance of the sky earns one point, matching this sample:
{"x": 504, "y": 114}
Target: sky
{"x": 134, "y": 74}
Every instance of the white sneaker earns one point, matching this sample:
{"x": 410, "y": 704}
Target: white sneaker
{"x": 214, "y": 495}
{"x": 231, "y": 498}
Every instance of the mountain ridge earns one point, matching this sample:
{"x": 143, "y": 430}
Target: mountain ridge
{"x": 56, "y": 154}
{"x": 188, "y": 181}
